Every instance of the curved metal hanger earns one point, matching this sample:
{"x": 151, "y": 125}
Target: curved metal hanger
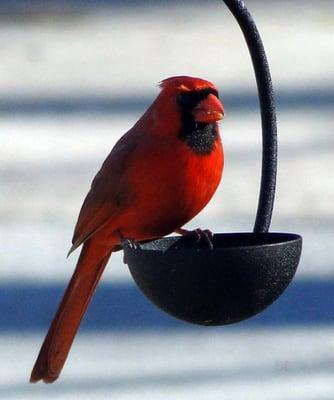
{"x": 268, "y": 114}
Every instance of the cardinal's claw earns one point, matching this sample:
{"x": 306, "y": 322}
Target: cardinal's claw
{"x": 200, "y": 234}
{"x": 205, "y": 235}
{"x": 132, "y": 244}
{"x": 126, "y": 242}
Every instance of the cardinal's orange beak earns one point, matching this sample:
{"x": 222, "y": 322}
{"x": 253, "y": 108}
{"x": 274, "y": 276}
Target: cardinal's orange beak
{"x": 209, "y": 110}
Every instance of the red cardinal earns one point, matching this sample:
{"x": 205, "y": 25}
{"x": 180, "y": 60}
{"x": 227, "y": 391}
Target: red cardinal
{"x": 158, "y": 176}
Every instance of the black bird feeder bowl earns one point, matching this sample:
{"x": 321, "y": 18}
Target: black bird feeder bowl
{"x": 244, "y": 272}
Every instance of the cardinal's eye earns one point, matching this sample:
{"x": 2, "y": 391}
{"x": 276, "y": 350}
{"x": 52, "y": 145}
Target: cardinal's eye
{"x": 184, "y": 99}
{"x": 189, "y": 100}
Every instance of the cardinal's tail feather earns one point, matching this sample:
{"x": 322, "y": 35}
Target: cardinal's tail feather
{"x": 58, "y": 341}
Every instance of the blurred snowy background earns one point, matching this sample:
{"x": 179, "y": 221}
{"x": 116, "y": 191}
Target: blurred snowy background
{"x": 74, "y": 76}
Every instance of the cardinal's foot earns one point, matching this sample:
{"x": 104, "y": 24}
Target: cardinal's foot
{"x": 126, "y": 242}
{"x": 132, "y": 244}
{"x": 200, "y": 234}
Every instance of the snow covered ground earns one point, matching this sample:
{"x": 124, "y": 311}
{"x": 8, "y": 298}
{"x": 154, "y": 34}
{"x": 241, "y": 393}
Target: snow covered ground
{"x": 70, "y": 84}
{"x": 224, "y": 364}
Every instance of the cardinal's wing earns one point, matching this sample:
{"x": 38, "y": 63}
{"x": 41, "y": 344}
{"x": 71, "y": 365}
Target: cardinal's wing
{"x": 109, "y": 192}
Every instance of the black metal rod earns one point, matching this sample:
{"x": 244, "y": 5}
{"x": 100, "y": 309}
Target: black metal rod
{"x": 268, "y": 115}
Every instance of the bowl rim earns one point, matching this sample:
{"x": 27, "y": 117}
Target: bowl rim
{"x": 290, "y": 238}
